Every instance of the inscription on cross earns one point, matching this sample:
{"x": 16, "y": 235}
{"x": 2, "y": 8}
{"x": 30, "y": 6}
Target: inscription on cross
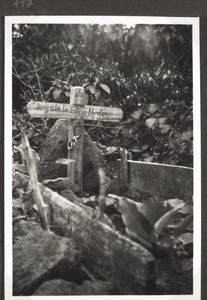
{"x": 76, "y": 112}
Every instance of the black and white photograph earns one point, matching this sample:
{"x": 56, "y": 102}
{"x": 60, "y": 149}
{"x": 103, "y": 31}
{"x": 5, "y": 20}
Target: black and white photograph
{"x": 102, "y": 140}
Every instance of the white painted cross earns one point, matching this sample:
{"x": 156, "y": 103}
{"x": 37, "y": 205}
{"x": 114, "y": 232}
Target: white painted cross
{"x": 77, "y": 111}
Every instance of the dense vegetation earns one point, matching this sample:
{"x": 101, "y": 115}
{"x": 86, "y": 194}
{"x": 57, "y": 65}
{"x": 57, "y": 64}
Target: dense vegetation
{"x": 146, "y": 70}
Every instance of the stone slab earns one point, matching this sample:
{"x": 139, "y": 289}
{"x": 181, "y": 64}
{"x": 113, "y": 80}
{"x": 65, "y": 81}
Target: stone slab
{"x": 166, "y": 181}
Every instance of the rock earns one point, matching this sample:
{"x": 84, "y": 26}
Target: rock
{"x": 132, "y": 192}
{"x": 60, "y": 184}
{"x": 62, "y": 287}
{"x": 51, "y": 170}
{"x": 91, "y": 201}
{"x": 22, "y": 228}
{"x": 90, "y": 208}
{"x": 36, "y": 255}
{"x": 91, "y": 183}
{"x": 113, "y": 187}
{"x": 118, "y": 223}
{"x": 55, "y": 144}
{"x": 69, "y": 195}
{"x": 92, "y": 160}
{"x": 55, "y": 147}
{"x": 112, "y": 206}
{"x": 90, "y": 179}
{"x": 19, "y": 180}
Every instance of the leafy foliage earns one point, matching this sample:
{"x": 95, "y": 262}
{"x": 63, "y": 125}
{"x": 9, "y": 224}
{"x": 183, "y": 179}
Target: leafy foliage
{"x": 164, "y": 228}
{"x": 147, "y": 222}
{"x": 146, "y": 70}
{"x": 36, "y": 130}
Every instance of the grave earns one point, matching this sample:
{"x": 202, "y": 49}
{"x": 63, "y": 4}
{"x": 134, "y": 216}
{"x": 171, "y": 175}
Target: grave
{"x": 76, "y": 112}
{"x": 106, "y": 253}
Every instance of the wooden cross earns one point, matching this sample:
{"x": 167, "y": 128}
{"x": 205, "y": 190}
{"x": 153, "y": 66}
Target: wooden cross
{"x": 76, "y": 111}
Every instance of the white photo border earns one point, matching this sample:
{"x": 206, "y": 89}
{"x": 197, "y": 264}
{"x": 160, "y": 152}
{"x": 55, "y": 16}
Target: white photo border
{"x": 194, "y": 21}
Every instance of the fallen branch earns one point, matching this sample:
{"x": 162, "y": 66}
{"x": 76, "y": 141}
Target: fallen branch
{"x": 32, "y": 170}
{"x": 104, "y": 251}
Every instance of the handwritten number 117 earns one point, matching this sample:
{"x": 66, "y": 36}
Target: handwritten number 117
{"x": 22, "y": 3}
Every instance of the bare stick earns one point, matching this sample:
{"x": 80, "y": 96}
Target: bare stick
{"x": 123, "y": 171}
{"x": 26, "y": 84}
{"x": 68, "y": 33}
{"x": 102, "y": 193}
{"x": 102, "y": 126}
{"x": 32, "y": 90}
{"x": 31, "y": 165}
{"x": 38, "y": 79}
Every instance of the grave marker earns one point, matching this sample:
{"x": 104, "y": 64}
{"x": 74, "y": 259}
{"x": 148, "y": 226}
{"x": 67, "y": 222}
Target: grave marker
{"x": 76, "y": 112}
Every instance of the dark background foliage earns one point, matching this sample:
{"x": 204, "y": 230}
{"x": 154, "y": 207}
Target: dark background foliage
{"x": 146, "y": 70}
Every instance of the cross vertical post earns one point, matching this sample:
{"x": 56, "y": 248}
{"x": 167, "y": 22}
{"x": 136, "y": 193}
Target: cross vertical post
{"x": 76, "y": 128}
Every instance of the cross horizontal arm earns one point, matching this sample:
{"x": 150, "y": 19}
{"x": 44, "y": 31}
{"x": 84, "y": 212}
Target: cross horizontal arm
{"x": 72, "y": 111}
